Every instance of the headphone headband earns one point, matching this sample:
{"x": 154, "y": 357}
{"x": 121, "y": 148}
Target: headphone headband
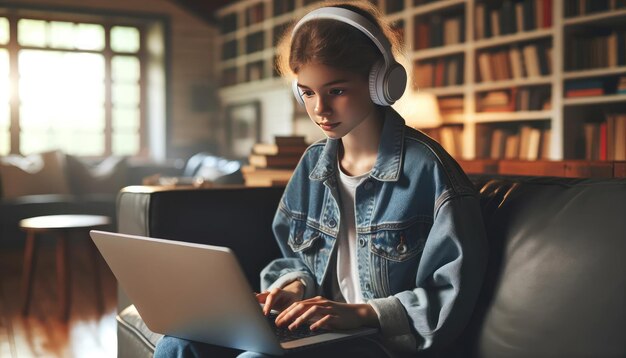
{"x": 353, "y": 19}
{"x": 387, "y": 78}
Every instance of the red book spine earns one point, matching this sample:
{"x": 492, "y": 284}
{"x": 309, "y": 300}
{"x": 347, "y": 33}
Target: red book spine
{"x": 603, "y": 143}
{"x": 547, "y": 13}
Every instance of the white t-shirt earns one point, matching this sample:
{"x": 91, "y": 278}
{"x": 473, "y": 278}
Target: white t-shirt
{"x": 347, "y": 270}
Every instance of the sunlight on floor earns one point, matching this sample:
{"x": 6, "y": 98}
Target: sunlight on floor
{"x": 85, "y": 335}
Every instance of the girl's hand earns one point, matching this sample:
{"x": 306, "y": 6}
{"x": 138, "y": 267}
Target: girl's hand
{"x": 327, "y": 314}
{"x": 279, "y": 299}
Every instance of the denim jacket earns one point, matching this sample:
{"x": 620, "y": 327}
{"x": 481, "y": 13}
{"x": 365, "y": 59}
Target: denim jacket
{"x": 421, "y": 241}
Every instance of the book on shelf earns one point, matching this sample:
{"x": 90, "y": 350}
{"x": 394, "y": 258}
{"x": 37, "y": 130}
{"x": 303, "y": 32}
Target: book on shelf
{"x": 285, "y": 152}
{"x": 602, "y": 49}
{"x": 605, "y": 140}
{"x": 446, "y": 71}
{"x": 531, "y": 60}
{"x": 584, "y": 88}
{"x": 532, "y": 98}
{"x": 450, "y": 105}
{"x": 254, "y": 176}
{"x": 512, "y": 63}
{"x": 621, "y": 85}
{"x": 497, "y": 101}
{"x": 273, "y": 161}
{"x": 498, "y": 143}
{"x": 451, "y": 139}
{"x": 498, "y": 18}
{"x": 573, "y": 8}
{"x": 275, "y": 149}
{"x": 292, "y": 140}
{"x": 525, "y": 143}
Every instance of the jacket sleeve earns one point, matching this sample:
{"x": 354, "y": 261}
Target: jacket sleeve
{"x": 290, "y": 267}
{"x": 448, "y": 281}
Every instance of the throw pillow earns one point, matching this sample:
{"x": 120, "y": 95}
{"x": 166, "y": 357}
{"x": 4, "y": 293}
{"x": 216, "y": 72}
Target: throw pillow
{"x": 42, "y": 173}
{"x": 107, "y": 177}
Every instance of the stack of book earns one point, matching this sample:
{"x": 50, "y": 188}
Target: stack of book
{"x": 584, "y": 88}
{"x": 496, "y": 101}
{"x": 450, "y": 105}
{"x": 272, "y": 164}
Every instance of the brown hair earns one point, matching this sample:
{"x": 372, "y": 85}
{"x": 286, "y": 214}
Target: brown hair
{"x": 334, "y": 43}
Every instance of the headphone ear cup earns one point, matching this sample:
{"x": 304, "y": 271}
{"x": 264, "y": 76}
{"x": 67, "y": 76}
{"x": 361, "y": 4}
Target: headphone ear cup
{"x": 377, "y": 83}
{"x": 297, "y": 93}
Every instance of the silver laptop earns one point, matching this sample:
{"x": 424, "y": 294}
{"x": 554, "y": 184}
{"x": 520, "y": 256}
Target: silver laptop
{"x": 198, "y": 292}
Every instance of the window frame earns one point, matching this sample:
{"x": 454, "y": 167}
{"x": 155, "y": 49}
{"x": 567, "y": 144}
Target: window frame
{"x": 108, "y": 20}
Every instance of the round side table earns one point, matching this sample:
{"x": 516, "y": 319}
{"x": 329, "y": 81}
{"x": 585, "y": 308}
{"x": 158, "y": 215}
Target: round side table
{"x": 61, "y": 226}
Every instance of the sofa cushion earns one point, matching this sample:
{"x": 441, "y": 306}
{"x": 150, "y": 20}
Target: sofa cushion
{"x": 555, "y": 280}
{"x": 34, "y": 174}
{"x": 133, "y": 330}
{"x": 106, "y": 177}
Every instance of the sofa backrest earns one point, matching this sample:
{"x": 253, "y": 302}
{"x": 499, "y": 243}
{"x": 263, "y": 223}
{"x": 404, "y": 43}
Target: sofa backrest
{"x": 237, "y": 217}
{"x": 556, "y": 278}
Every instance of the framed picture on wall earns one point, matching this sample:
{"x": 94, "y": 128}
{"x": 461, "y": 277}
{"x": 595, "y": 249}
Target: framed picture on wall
{"x": 243, "y": 127}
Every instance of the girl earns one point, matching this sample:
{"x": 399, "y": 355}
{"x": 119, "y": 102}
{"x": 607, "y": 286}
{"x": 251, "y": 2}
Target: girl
{"x": 378, "y": 226}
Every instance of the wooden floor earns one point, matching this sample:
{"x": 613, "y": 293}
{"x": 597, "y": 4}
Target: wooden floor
{"x": 87, "y": 333}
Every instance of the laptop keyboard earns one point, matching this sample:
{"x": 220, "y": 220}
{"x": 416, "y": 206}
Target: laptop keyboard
{"x": 286, "y": 335}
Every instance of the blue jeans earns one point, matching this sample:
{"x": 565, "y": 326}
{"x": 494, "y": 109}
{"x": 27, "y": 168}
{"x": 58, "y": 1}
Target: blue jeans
{"x": 172, "y": 347}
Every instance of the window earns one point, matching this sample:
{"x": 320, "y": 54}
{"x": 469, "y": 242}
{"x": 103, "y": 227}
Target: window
{"x": 79, "y": 86}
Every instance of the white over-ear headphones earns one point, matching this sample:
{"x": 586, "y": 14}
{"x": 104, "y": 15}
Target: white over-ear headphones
{"x": 387, "y": 78}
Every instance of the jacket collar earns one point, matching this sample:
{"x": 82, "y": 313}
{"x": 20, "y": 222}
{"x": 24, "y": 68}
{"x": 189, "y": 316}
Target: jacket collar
{"x": 389, "y": 160}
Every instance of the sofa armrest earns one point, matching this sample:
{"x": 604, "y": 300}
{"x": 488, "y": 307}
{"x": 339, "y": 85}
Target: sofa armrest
{"x": 235, "y": 216}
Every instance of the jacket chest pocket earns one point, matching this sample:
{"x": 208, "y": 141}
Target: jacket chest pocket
{"x": 306, "y": 242}
{"x": 395, "y": 256}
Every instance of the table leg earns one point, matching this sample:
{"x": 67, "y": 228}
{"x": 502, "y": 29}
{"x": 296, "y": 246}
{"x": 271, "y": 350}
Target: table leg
{"x": 95, "y": 258}
{"x": 30, "y": 261}
{"x": 63, "y": 276}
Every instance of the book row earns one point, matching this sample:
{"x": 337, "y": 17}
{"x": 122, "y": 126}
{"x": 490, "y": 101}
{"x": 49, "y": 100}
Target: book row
{"x": 446, "y": 71}
{"x": 574, "y": 8}
{"x": 595, "y": 86}
{"x": 515, "y": 99}
{"x": 437, "y": 30}
{"x": 596, "y": 50}
{"x": 516, "y": 62}
{"x": 498, "y": 18}
{"x": 606, "y": 140}
{"x": 524, "y": 143}
{"x": 450, "y": 138}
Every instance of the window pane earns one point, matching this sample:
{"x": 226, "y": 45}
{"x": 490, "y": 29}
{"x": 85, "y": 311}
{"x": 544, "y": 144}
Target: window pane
{"x": 31, "y": 32}
{"x": 61, "y": 79}
{"x": 89, "y": 37}
{"x": 61, "y": 34}
{"x": 125, "y": 69}
{"x": 124, "y": 39}
{"x": 125, "y": 95}
{"x": 4, "y": 31}
{"x": 5, "y": 135}
{"x": 5, "y": 144}
{"x": 125, "y": 143}
{"x": 62, "y": 103}
{"x": 126, "y": 119}
{"x": 4, "y": 77}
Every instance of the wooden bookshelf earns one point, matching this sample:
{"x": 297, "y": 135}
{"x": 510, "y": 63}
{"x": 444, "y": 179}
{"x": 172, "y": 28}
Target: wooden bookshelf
{"x": 529, "y": 45}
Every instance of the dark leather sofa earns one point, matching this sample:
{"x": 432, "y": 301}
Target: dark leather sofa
{"x": 555, "y": 284}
